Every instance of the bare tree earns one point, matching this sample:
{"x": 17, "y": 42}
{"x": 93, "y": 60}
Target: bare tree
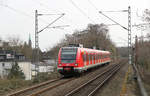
{"x": 15, "y": 40}
{"x": 144, "y": 44}
{"x": 15, "y": 43}
{"x": 94, "y": 35}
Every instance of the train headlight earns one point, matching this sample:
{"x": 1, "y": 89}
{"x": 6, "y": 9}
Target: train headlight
{"x": 76, "y": 64}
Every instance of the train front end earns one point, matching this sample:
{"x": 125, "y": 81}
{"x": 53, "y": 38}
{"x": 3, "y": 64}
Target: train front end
{"x": 68, "y": 61}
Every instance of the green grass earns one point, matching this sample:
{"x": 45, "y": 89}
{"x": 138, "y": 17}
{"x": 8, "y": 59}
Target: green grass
{"x": 13, "y": 84}
{"x": 9, "y": 85}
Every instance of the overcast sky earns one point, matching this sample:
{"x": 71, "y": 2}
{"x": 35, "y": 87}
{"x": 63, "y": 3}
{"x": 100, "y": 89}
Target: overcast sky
{"x": 17, "y": 18}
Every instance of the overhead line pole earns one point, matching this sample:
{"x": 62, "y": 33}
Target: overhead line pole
{"x": 129, "y": 35}
{"x": 36, "y": 54}
{"x": 128, "y": 29}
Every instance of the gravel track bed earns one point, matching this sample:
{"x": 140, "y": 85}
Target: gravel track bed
{"x": 86, "y": 90}
{"x": 64, "y": 89}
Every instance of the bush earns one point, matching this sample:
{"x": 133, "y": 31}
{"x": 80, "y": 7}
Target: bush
{"x": 16, "y": 72}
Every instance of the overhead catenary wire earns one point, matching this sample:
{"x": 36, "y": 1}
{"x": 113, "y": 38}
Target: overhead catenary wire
{"x": 112, "y": 20}
{"x": 93, "y": 5}
{"x": 21, "y": 12}
{"x": 90, "y": 2}
{"x": 16, "y": 10}
{"x": 58, "y": 11}
{"x": 51, "y": 23}
{"x": 81, "y": 11}
{"x": 44, "y": 5}
{"x": 116, "y": 23}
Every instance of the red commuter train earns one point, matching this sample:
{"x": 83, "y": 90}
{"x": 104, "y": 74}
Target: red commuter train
{"x": 77, "y": 60}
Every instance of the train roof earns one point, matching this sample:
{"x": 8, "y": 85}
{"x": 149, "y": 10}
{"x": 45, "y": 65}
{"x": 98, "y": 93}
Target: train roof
{"x": 87, "y": 49}
{"x": 94, "y": 50}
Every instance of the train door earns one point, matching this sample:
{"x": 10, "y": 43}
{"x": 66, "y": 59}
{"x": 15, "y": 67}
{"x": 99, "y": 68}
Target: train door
{"x": 98, "y": 58}
{"x": 84, "y": 60}
{"x": 101, "y": 57}
{"x": 92, "y": 58}
{"x": 87, "y": 59}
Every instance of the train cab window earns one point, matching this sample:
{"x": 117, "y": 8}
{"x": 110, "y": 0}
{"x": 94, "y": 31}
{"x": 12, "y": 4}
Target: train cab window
{"x": 68, "y": 55}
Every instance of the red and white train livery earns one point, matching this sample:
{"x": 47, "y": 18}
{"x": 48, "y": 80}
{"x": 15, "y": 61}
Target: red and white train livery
{"x": 76, "y": 60}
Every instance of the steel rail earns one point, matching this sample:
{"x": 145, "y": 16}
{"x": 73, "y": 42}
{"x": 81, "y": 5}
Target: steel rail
{"x": 33, "y": 87}
{"x": 83, "y": 85}
{"x": 104, "y": 81}
{"x": 49, "y": 88}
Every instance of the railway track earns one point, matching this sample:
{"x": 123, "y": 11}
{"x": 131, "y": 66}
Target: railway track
{"x": 40, "y": 88}
{"x": 90, "y": 87}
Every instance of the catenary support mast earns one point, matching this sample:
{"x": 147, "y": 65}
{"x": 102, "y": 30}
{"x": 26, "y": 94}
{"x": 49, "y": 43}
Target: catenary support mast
{"x": 129, "y": 35}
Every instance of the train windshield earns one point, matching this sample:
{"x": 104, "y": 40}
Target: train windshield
{"x": 68, "y": 55}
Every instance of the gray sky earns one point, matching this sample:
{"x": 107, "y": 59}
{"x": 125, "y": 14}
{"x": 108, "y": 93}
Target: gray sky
{"x": 17, "y": 18}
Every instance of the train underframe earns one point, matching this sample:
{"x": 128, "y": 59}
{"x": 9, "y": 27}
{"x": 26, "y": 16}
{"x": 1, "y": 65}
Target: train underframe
{"x": 71, "y": 70}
